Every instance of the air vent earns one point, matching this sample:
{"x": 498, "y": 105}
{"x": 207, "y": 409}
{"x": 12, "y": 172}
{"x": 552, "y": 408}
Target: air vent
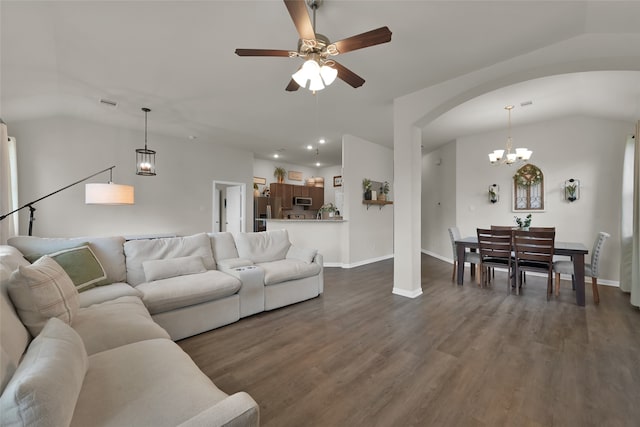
{"x": 108, "y": 102}
{"x": 526, "y": 103}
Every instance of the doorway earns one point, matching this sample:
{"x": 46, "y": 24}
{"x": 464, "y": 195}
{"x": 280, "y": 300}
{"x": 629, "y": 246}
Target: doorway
{"x": 229, "y": 207}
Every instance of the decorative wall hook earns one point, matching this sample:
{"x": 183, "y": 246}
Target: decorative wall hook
{"x": 494, "y": 193}
{"x": 572, "y": 190}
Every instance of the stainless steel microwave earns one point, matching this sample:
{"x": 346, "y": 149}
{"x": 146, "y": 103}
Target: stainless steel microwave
{"x": 302, "y": 201}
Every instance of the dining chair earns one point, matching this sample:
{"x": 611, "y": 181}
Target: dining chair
{"x": 590, "y": 270}
{"x": 534, "y": 252}
{"x": 470, "y": 257}
{"x": 495, "y": 251}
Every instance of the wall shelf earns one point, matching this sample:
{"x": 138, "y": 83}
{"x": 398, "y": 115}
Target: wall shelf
{"x": 378, "y": 203}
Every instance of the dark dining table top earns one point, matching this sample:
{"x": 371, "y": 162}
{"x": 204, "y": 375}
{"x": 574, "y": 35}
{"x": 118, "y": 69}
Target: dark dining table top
{"x": 560, "y": 248}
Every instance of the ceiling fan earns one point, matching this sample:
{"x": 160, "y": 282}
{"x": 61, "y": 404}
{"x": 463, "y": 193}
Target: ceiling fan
{"x": 319, "y": 70}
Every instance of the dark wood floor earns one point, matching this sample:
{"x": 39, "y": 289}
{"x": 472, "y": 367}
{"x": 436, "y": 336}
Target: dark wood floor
{"x": 456, "y": 356}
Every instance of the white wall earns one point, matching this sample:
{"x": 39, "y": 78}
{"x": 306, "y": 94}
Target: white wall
{"x": 370, "y": 232}
{"x": 585, "y": 148}
{"x": 55, "y": 152}
{"x": 438, "y": 200}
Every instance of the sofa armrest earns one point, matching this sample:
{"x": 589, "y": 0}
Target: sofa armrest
{"x": 318, "y": 259}
{"x": 237, "y": 410}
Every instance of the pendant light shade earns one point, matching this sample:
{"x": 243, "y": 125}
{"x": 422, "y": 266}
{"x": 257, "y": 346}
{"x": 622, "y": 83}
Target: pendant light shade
{"x": 145, "y": 158}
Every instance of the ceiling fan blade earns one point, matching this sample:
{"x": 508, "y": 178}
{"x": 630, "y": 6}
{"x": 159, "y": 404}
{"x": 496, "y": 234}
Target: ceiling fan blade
{"x": 348, "y": 76}
{"x": 370, "y": 38}
{"x": 262, "y": 52}
{"x": 298, "y": 11}
{"x": 292, "y": 86}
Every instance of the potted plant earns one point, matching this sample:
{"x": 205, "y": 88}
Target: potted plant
{"x": 256, "y": 190}
{"x": 523, "y": 224}
{"x": 366, "y": 186}
{"x": 329, "y": 209}
{"x": 279, "y": 173}
{"x": 384, "y": 190}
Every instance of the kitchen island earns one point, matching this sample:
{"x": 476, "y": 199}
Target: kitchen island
{"x": 326, "y": 235}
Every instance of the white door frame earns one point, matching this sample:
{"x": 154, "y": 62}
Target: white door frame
{"x": 216, "y": 202}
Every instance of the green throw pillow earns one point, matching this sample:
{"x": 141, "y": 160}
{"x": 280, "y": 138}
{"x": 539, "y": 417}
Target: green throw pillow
{"x": 81, "y": 264}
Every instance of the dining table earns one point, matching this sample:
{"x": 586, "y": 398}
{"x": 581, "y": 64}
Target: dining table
{"x": 576, "y": 251}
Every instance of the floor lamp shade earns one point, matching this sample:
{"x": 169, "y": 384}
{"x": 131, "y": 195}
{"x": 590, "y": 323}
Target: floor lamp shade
{"x": 108, "y": 194}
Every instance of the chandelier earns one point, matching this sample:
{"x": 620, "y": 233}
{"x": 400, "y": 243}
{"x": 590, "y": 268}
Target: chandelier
{"x": 507, "y": 156}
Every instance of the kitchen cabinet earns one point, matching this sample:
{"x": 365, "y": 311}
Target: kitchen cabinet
{"x": 285, "y": 192}
{"x": 317, "y": 197}
{"x": 300, "y": 191}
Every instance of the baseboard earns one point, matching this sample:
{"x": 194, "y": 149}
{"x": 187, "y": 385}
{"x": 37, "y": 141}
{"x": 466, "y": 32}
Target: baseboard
{"x": 408, "y": 294}
{"x": 437, "y": 256}
{"x": 359, "y": 263}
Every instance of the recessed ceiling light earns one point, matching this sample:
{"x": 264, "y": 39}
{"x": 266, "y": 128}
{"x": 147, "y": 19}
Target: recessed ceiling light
{"x": 317, "y": 163}
{"x": 322, "y": 141}
{"x": 309, "y": 147}
{"x": 275, "y": 156}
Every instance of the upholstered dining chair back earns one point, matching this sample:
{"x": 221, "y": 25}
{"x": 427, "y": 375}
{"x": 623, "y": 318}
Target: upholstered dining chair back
{"x": 470, "y": 257}
{"x": 596, "y": 253}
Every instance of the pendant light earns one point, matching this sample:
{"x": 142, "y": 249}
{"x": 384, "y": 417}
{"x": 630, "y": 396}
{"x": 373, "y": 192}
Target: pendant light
{"x": 145, "y": 158}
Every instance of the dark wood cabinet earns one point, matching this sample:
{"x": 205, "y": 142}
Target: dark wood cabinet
{"x": 317, "y": 197}
{"x": 300, "y": 191}
{"x": 285, "y": 192}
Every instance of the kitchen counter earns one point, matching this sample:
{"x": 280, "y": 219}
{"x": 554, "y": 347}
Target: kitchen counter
{"x": 306, "y": 220}
{"x": 325, "y": 235}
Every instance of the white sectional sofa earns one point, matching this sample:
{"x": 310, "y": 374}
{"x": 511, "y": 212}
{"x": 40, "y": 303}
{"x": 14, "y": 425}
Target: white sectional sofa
{"x": 111, "y": 345}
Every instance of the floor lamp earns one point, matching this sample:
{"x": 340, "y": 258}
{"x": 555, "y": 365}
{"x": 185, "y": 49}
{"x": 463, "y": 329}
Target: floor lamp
{"x": 95, "y": 194}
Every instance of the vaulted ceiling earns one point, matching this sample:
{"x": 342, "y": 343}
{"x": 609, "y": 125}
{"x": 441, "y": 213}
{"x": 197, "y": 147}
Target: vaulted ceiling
{"x": 177, "y": 58}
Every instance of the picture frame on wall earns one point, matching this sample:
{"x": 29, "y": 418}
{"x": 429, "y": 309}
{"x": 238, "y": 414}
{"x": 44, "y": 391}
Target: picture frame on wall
{"x": 259, "y": 181}
{"x": 295, "y": 176}
{"x": 337, "y": 181}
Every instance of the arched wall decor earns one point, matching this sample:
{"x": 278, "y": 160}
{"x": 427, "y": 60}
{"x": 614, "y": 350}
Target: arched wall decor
{"x": 528, "y": 189}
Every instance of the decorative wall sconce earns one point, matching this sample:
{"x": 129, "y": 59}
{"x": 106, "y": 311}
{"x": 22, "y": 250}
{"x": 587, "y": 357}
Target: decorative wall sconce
{"x": 572, "y": 190}
{"x": 494, "y": 193}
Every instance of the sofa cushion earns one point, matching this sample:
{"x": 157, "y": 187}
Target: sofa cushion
{"x": 109, "y": 250}
{"x": 45, "y": 388}
{"x": 115, "y": 323}
{"x": 223, "y": 245}
{"x": 177, "y": 292}
{"x": 148, "y": 383}
{"x": 166, "y": 268}
{"x": 11, "y": 257}
{"x": 43, "y": 290}
{"x": 14, "y": 337}
{"x": 264, "y": 246}
{"x": 82, "y": 266}
{"x": 138, "y": 251}
{"x": 287, "y": 269}
{"x": 107, "y": 293}
{"x": 301, "y": 254}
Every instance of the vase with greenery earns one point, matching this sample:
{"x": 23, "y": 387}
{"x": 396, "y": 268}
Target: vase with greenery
{"x": 366, "y": 186}
{"x": 384, "y": 190}
{"x": 523, "y": 224}
{"x": 279, "y": 173}
{"x": 327, "y": 210}
{"x": 493, "y": 196}
{"x": 572, "y": 191}
{"x": 256, "y": 190}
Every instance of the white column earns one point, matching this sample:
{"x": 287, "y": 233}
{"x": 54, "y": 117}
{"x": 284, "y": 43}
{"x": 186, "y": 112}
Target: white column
{"x": 407, "y": 201}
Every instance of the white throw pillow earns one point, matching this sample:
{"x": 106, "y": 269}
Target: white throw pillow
{"x": 43, "y": 290}
{"x": 165, "y": 268}
{"x": 302, "y": 254}
{"x": 45, "y": 388}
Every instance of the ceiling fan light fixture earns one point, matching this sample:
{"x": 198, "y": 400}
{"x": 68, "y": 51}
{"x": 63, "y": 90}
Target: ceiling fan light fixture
{"x": 316, "y": 83}
{"x": 328, "y": 74}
